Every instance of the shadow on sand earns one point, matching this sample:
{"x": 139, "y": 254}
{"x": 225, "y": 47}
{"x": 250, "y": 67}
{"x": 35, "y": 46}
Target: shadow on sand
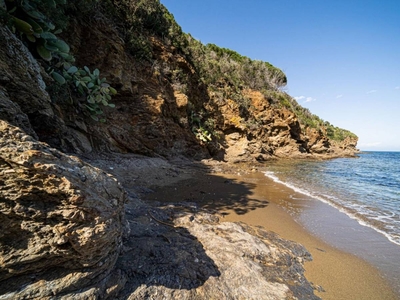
{"x": 210, "y": 192}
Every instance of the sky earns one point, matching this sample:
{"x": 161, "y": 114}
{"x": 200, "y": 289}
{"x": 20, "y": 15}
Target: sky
{"x": 341, "y": 58}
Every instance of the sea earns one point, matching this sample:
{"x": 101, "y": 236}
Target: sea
{"x": 364, "y": 190}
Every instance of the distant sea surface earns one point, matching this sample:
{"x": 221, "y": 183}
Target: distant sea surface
{"x": 366, "y": 188}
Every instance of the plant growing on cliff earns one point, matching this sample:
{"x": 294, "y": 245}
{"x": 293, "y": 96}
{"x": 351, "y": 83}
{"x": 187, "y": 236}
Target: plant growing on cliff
{"x": 30, "y": 20}
{"x": 89, "y": 84}
{"x": 26, "y": 18}
{"x": 203, "y": 126}
{"x": 144, "y": 19}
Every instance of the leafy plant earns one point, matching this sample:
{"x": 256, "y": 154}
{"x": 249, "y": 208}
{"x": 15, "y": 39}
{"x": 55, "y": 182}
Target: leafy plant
{"x": 202, "y": 126}
{"x": 28, "y": 18}
{"x": 202, "y": 134}
{"x": 89, "y": 84}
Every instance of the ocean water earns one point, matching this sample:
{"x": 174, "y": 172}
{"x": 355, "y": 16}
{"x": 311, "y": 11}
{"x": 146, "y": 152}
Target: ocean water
{"x": 366, "y": 188}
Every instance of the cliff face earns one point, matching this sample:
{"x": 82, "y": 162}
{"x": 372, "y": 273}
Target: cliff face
{"x": 156, "y": 115}
{"x": 163, "y": 107}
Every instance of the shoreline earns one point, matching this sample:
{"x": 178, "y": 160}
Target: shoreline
{"x": 335, "y": 273}
{"x": 342, "y": 275}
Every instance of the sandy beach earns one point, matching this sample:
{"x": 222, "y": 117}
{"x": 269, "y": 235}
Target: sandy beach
{"x": 252, "y": 198}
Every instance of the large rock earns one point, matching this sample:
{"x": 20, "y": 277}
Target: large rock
{"x": 178, "y": 252}
{"x": 61, "y": 222}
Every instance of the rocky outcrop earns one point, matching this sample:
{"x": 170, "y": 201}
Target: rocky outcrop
{"x": 179, "y": 252}
{"x": 61, "y": 222}
{"x": 273, "y": 132}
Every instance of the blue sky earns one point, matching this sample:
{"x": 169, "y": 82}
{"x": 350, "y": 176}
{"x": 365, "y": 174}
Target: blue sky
{"x": 342, "y": 58}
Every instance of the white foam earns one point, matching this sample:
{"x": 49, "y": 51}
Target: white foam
{"x": 357, "y": 207}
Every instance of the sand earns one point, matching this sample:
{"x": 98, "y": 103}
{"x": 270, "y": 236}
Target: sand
{"x": 256, "y": 200}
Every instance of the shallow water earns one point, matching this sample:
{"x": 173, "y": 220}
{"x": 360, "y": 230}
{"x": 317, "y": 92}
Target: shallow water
{"x": 365, "y": 188}
{"x": 360, "y": 191}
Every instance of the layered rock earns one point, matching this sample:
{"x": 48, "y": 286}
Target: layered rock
{"x": 61, "y": 222}
{"x": 273, "y": 132}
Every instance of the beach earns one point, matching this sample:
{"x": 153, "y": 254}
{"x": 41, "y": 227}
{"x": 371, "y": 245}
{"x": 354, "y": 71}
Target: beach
{"x": 248, "y": 196}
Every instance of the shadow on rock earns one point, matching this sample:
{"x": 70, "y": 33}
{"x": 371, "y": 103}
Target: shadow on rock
{"x": 158, "y": 254}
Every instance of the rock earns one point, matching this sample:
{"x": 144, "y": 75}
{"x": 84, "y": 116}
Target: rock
{"x": 21, "y": 75}
{"x": 61, "y": 222}
{"x": 12, "y": 113}
{"x": 197, "y": 257}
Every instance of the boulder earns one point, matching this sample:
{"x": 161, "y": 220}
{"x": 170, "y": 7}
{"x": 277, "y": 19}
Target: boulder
{"x": 178, "y": 252}
{"x": 61, "y": 222}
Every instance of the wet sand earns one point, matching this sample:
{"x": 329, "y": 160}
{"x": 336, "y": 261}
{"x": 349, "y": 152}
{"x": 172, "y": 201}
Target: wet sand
{"x": 341, "y": 275}
{"x": 256, "y": 200}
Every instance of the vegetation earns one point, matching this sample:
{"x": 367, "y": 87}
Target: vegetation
{"x": 140, "y": 19}
{"x": 202, "y": 125}
{"x": 221, "y": 66}
{"x": 30, "y": 20}
{"x": 96, "y": 90}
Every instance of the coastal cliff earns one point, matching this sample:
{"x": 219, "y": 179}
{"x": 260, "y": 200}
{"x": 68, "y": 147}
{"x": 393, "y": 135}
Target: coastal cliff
{"x": 72, "y": 230}
{"x": 175, "y": 96}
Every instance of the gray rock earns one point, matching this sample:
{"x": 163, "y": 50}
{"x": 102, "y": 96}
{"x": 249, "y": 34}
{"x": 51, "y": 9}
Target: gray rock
{"x": 12, "y": 113}
{"x": 173, "y": 253}
{"x": 61, "y": 222}
{"x": 21, "y": 75}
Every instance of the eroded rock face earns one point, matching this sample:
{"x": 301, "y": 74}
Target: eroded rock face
{"x": 21, "y": 75}
{"x": 61, "y": 221}
{"x": 149, "y": 119}
{"x": 275, "y": 132}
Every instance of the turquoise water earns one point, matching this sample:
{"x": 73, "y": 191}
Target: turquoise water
{"x": 366, "y": 188}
